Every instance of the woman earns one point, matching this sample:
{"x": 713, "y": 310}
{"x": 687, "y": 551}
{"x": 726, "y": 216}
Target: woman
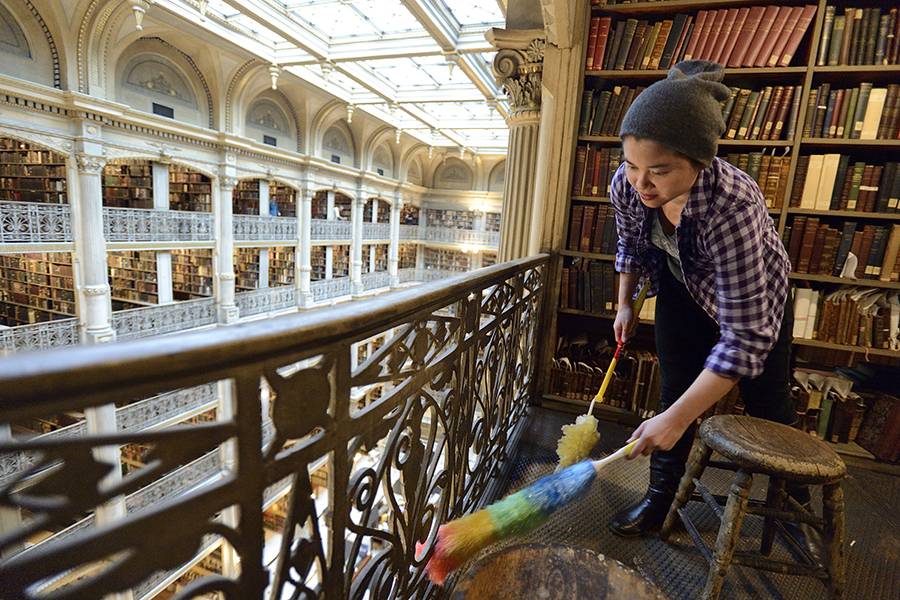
{"x": 698, "y": 228}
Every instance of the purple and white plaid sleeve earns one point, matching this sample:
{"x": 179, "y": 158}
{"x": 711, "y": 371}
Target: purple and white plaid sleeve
{"x": 628, "y": 224}
{"x": 751, "y": 286}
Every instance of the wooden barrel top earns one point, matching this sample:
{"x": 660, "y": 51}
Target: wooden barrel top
{"x": 764, "y": 446}
{"x": 551, "y": 572}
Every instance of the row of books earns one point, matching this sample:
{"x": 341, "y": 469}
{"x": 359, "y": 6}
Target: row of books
{"x": 861, "y": 36}
{"x": 869, "y": 252}
{"x": 451, "y": 260}
{"x": 767, "y": 114}
{"x": 592, "y": 228}
{"x": 759, "y": 36}
{"x": 27, "y": 170}
{"x": 17, "y": 195}
{"x": 579, "y": 367}
{"x": 36, "y": 287}
{"x": 15, "y": 153}
{"x": 589, "y": 285}
{"x": 770, "y": 172}
{"x": 602, "y": 111}
{"x": 831, "y": 182}
{"x": 594, "y": 168}
{"x": 861, "y": 113}
{"x": 854, "y": 316}
{"x": 450, "y": 219}
{"x": 826, "y": 405}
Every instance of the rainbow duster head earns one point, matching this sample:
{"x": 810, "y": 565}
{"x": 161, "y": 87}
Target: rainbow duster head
{"x": 517, "y": 514}
{"x": 577, "y": 440}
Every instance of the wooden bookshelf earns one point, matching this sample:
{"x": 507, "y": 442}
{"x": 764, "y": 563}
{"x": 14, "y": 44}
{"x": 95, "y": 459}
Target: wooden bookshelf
{"x": 445, "y": 259}
{"x": 340, "y": 261}
{"x": 36, "y": 287}
{"x": 488, "y": 258}
{"x": 128, "y": 185}
{"x": 846, "y": 348}
{"x": 317, "y": 260}
{"x": 853, "y": 214}
{"x": 383, "y": 214}
{"x": 246, "y": 268}
{"x": 132, "y": 278}
{"x": 29, "y": 174}
{"x": 449, "y": 219}
{"x": 282, "y": 200}
{"x": 281, "y": 266}
{"x": 245, "y": 197}
{"x": 189, "y": 190}
{"x": 320, "y": 205}
{"x": 192, "y": 273}
{"x": 409, "y": 215}
{"x": 891, "y": 285}
{"x": 590, "y": 255}
{"x": 407, "y": 254}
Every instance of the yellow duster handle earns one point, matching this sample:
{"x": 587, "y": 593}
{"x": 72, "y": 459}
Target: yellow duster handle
{"x": 636, "y": 308}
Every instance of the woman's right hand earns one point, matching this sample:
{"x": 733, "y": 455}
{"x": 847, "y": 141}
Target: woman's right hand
{"x": 624, "y": 323}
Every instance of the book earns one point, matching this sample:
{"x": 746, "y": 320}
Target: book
{"x": 825, "y": 39}
{"x": 718, "y": 49}
{"x": 778, "y": 22}
{"x": 674, "y": 36}
{"x": 811, "y": 183}
{"x": 834, "y": 44}
{"x": 635, "y": 45}
{"x": 803, "y": 23}
{"x": 625, "y": 44}
{"x": 698, "y": 27}
{"x": 827, "y": 180}
{"x": 650, "y": 45}
{"x": 613, "y": 48}
{"x": 605, "y": 24}
{"x": 861, "y": 108}
{"x": 712, "y": 34}
{"x": 791, "y": 21}
{"x": 847, "y": 233}
{"x": 657, "y": 51}
{"x": 892, "y": 250}
{"x": 747, "y": 33}
{"x": 872, "y": 115}
{"x": 729, "y": 48}
{"x": 592, "y": 43}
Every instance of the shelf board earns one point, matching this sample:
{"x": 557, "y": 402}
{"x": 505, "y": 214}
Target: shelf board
{"x": 603, "y": 139}
{"x": 669, "y": 6}
{"x": 840, "y": 142}
{"x": 595, "y": 256}
{"x": 600, "y": 199}
{"x": 606, "y": 316}
{"x": 875, "y": 283}
{"x": 856, "y": 214}
{"x": 846, "y": 348}
{"x": 661, "y": 73}
{"x": 757, "y": 143}
{"x": 875, "y": 69}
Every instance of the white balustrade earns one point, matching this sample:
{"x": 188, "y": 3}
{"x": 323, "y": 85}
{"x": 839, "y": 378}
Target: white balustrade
{"x": 378, "y": 279}
{"x": 34, "y": 222}
{"x": 249, "y": 228}
{"x": 462, "y": 236}
{"x": 39, "y": 336}
{"x": 254, "y": 302}
{"x": 410, "y": 232}
{"x": 165, "y": 318}
{"x": 328, "y": 230}
{"x": 376, "y": 231}
{"x": 145, "y": 225}
{"x": 325, "y": 289}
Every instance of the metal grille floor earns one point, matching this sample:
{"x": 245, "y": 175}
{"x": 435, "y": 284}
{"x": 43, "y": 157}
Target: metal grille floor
{"x": 872, "y": 522}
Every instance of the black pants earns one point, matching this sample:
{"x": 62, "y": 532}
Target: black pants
{"x": 685, "y": 335}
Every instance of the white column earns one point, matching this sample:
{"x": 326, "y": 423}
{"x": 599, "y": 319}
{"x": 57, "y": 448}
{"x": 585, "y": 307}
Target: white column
{"x": 475, "y": 260}
{"x": 303, "y": 261}
{"x": 163, "y": 259}
{"x": 222, "y": 199}
{"x": 329, "y": 250}
{"x": 394, "y": 246}
{"x": 356, "y": 236}
{"x": 263, "y": 252}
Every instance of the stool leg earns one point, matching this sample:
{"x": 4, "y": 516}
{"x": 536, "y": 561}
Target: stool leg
{"x": 833, "y": 513}
{"x": 696, "y": 465}
{"x": 774, "y": 499}
{"x": 729, "y": 533}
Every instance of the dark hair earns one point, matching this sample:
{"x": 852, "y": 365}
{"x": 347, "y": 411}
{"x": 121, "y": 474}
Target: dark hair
{"x": 694, "y": 162}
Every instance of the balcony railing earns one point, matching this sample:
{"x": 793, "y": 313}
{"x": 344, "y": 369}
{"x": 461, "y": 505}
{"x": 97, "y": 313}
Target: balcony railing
{"x": 166, "y": 318}
{"x": 376, "y": 231}
{"x": 331, "y": 230}
{"x": 144, "y": 225}
{"x": 39, "y": 336}
{"x": 457, "y": 376}
{"x": 263, "y": 300}
{"x": 461, "y": 236}
{"x": 410, "y": 232}
{"x": 34, "y": 222}
{"x": 250, "y": 228}
{"x": 378, "y": 279}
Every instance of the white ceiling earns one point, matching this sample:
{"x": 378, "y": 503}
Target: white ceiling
{"x": 420, "y": 65}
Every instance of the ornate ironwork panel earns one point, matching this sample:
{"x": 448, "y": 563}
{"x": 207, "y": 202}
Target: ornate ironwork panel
{"x": 411, "y": 232}
{"x": 462, "y": 236}
{"x": 326, "y": 289}
{"x": 39, "y": 336}
{"x": 165, "y": 318}
{"x": 378, "y": 279}
{"x": 331, "y": 230}
{"x": 371, "y": 476}
{"x": 257, "y": 227}
{"x": 254, "y": 302}
{"x": 34, "y": 222}
{"x": 376, "y": 231}
{"x": 144, "y": 225}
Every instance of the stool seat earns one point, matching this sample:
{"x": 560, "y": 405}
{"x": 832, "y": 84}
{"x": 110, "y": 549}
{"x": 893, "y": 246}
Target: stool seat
{"x": 762, "y": 446}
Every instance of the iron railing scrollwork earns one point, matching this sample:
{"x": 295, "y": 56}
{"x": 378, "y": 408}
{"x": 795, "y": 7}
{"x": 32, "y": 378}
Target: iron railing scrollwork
{"x": 249, "y": 228}
{"x": 331, "y": 230}
{"x": 34, "y": 222}
{"x": 456, "y": 379}
{"x": 146, "y": 225}
{"x": 39, "y": 336}
{"x": 375, "y": 280}
{"x": 376, "y": 231}
{"x": 326, "y": 289}
{"x": 165, "y": 318}
{"x": 263, "y": 300}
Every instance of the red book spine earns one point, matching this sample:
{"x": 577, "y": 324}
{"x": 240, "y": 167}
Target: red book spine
{"x": 732, "y": 39}
{"x": 698, "y": 27}
{"x": 781, "y": 44}
{"x": 765, "y": 51}
{"x": 709, "y": 41}
{"x": 592, "y": 44}
{"x": 806, "y": 17}
{"x": 730, "y": 17}
{"x": 602, "y": 36}
{"x": 759, "y": 38}
{"x": 746, "y": 34}
{"x": 682, "y": 40}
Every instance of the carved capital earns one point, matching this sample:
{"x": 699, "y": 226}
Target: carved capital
{"x": 519, "y": 71}
{"x": 228, "y": 183}
{"x": 226, "y": 277}
{"x": 90, "y": 164}
{"x": 95, "y": 290}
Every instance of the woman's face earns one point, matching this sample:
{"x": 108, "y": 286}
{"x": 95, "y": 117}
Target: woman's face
{"x": 658, "y": 174}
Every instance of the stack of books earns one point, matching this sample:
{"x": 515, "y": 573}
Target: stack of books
{"x": 861, "y": 113}
{"x": 832, "y": 182}
{"x": 769, "y": 171}
{"x": 817, "y": 248}
{"x": 593, "y": 229}
{"x": 853, "y": 316}
{"x": 589, "y": 285}
{"x": 594, "y": 168}
{"x": 602, "y": 111}
{"x": 766, "y": 114}
{"x": 861, "y": 36}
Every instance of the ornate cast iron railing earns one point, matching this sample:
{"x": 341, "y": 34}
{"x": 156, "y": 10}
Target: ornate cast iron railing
{"x": 249, "y": 228}
{"x": 34, "y": 222}
{"x": 144, "y": 225}
{"x": 461, "y": 236}
{"x": 165, "y": 318}
{"x": 325, "y": 289}
{"x": 254, "y": 302}
{"x": 376, "y": 231}
{"x": 375, "y": 280}
{"x": 39, "y": 336}
{"x": 410, "y": 232}
{"x": 331, "y": 230}
{"x": 456, "y": 376}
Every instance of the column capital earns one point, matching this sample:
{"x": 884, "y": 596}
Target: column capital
{"x": 227, "y": 182}
{"x": 518, "y": 67}
{"x": 91, "y": 164}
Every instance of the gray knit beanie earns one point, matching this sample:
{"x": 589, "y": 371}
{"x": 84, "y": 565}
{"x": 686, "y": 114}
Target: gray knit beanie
{"x": 683, "y": 111}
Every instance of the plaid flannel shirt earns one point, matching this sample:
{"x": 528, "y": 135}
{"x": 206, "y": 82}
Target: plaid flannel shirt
{"x": 734, "y": 263}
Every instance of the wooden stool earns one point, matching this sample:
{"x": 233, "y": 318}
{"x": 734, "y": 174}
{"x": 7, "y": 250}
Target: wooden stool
{"x": 751, "y": 446}
{"x": 551, "y": 571}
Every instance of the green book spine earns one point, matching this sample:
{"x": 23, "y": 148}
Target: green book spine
{"x": 600, "y": 112}
{"x": 827, "y": 26}
{"x": 749, "y": 110}
{"x": 881, "y": 46}
{"x": 625, "y": 46}
{"x": 853, "y": 197}
{"x": 837, "y": 38}
{"x": 586, "y": 101}
{"x": 861, "y": 105}
{"x": 839, "y": 182}
{"x": 851, "y": 112}
{"x": 871, "y": 40}
{"x": 824, "y": 417}
{"x": 755, "y": 126}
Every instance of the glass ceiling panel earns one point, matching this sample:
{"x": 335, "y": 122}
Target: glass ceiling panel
{"x": 419, "y": 72}
{"x": 339, "y": 19}
{"x": 475, "y": 12}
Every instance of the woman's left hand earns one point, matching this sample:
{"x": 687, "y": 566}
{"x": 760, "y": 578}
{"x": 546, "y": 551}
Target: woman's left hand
{"x": 657, "y": 433}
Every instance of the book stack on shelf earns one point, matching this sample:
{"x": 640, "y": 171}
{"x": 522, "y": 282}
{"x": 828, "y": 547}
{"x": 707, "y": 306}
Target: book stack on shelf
{"x": 245, "y": 197}
{"x": 407, "y": 254}
{"x": 275, "y": 516}
{"x": 342, "y": 205}
{"x": 128, "y": 185}
{"x": 29, "y": 175}
{"x": 592, "y": 228}
{"x": 852, "y": 251}
{"x": 589, "y": 286}
{"x": 246, "y": 268}
{"x": 409, "y": 215}
{"x": 594, "y": 168}
{"x": 859, "y": 36}
{"x": 366, "y": 254}
{"x": 317, "y": 261}
{"x": 492, "y": 221}
{"x": 281, "y": 266}
{"x": 832, "y": 182}
{"x": 132, "y": 279}
{"x": 771, "y": 172}
{"x": 449, "y": 219}
{"x": 602, "y": 111}
{"x": 849, "y": 316}
{"x": 340, "y": 265}
{"x": 36, "y": 287}
{"x": 46, "y": 424}
{"x": 769, "y": 113}
{"x": 384, "y": 211}
{"x": 488, "y": 258}
{"x": 192, "y": 272}
{"x": 447, "y": 260}
{"x": 320, "y": 205}
{"x": 282, "y": 200}
{"x": 758, "y": 36}
{"x": 189, "y": 190}
{"x": 864, "y": 112}
{"x": 381, "y": 256}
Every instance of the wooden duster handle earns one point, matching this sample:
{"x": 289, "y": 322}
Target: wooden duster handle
{"x": 636, "y": 308}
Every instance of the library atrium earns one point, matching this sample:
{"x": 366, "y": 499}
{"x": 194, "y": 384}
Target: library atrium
{"x": 294, "y": 292}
